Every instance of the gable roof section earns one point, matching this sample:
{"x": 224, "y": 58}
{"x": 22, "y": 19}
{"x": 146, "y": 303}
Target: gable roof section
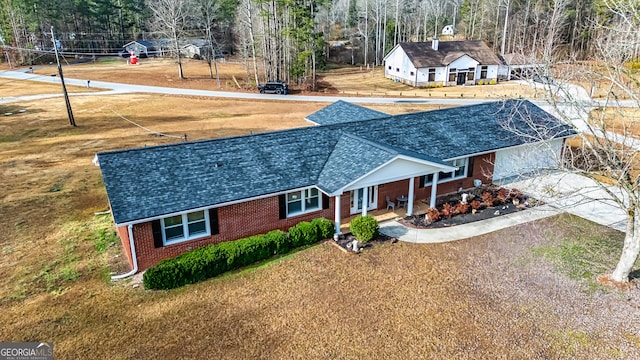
{"x": 351, "y": 158}
{"x": 148, "y": 182}
{"x": 422, "y": 55}
{"x": 341, "y": 112}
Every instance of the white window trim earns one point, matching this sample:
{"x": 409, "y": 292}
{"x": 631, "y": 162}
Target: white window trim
{"x": 185, "y": 229}
{"x": 462, "y": 176}
{"x": 304, "y": 202}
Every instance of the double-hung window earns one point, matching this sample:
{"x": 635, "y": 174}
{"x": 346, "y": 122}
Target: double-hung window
{"x": 432, "y": 74}
{"x": 452, "y": 75}
{"x": 185, "y": 226}
{"x": 461, "y": 164}
{"x": 303, "y": 201}
{"x": 471, "y": 73}
{"x": 483, "y": 72}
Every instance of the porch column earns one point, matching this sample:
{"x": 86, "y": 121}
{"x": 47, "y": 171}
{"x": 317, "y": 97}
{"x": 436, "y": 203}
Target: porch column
{"x": 337, "y": 212}
{"x": 434, "y": 190}
{"x": 410, "y": 199}
{"x": 365, "y": 200}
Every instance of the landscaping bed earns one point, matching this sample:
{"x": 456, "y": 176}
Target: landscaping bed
{"x": 477, "y": 204}
{"x": 345, "y": 242}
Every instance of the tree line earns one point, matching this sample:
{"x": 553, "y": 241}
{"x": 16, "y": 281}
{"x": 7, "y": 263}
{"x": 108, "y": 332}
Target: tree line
{"x": 291, "y": 39}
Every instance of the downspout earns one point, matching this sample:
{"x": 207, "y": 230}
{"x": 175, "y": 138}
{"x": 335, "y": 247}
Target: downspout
{"x": 133, "y": 258}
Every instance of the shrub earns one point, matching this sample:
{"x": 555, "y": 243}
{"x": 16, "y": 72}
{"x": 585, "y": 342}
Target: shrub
{"x": 303, "y": 234}
{"x": 462, "y": 208}
{"x": 433, "y": 214}
{"x": 281, "y": 241}
{"x": 364, "y": 228}
{"x": 448, "y": 210}
{"x": 515, "y": 194}
{"x": 325, "y": 228}
{"x": 492, "y": 82}
{"x": 502, "y": 195}
{"x": 475, "y": 204}
{"x": 487, "y": 198}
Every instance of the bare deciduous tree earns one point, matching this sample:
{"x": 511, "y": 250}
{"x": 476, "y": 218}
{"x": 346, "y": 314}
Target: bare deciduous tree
{"x": 607, "y": 147}
{"x": 170, "y": 17}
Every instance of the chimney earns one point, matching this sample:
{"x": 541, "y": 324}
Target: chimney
{"x": 434, "y": 44}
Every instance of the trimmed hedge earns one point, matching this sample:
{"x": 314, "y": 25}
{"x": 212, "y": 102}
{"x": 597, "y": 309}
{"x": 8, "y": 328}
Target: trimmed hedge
{"x": 364, "y": 228}
{"x": 212, "y": 260}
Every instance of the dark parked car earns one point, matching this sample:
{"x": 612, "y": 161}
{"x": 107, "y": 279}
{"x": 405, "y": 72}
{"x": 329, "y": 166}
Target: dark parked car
{"x": 273, "y": 87}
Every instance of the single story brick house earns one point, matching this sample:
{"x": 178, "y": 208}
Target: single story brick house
{"x": 442, "y": 63}
{"x": 168, "y": 199}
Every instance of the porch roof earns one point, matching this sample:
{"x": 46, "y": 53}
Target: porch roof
{"x": 143, "y": 183}
{"x": 354, "y": 157}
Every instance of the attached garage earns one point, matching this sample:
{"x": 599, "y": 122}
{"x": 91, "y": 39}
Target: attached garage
{"x": 527, "y": 158}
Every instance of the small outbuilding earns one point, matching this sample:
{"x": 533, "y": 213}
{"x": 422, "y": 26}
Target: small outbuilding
{"x": 140, "y": 48}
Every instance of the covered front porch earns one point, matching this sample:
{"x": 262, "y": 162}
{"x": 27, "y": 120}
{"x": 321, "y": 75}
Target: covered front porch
{"x": 420, "y": 206}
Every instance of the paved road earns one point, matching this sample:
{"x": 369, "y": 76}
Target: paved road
{"x": 118, "y": 88}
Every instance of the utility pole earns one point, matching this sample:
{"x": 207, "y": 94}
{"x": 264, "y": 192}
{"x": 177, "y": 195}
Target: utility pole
{"x": 72, "y": 121}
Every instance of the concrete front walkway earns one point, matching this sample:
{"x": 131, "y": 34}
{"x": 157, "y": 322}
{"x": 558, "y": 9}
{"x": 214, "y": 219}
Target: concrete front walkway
{"x": 561, "y": 192}
{"x": 465, "y": 231}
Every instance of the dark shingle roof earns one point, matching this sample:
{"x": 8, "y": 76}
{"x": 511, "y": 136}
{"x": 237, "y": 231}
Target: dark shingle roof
{"x": 422, "y": 54}
{"x": 352, "y": 158}
{"x": 342, "y": 111}
{"x": 147, "y": 182}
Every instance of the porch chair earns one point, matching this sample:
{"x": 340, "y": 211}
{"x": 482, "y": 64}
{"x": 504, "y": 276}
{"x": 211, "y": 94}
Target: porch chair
{"x": 390, "y": 204}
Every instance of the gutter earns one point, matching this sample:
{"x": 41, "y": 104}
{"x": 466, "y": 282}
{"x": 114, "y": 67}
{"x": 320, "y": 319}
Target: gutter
{"x": 133, "y": 257}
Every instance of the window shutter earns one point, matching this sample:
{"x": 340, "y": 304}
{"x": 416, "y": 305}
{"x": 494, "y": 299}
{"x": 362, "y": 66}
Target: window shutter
{"x": 157, "y": 233}
{"x": 422, "y": 181}
{"x": 470, "y": 167}
{"x": 213, "y": 221}
{"x": 325, "y": 201}
{"x": 282, "y": 201}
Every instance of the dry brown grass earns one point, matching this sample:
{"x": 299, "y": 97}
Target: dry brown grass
{"x": 618, "y": 120}
{"x": 481, "y": 298}
{"x": 373, "y": 83}
{"x": 18, "y": 88}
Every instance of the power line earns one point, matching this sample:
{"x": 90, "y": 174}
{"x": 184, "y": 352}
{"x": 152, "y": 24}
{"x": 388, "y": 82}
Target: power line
{"x": 149, "y": 130}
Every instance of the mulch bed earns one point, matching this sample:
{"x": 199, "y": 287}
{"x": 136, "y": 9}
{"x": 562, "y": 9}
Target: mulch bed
{"x": 421, "y": 222}
{"x": 503, "y": 201}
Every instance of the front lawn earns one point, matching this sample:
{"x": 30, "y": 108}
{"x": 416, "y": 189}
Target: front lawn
{"x": 488, "y": 297}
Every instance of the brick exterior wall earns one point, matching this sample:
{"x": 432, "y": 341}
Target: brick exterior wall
{"x": 235, "y": 222}
{"x": 123, "y": 233}
{"x": 260, "y": 216}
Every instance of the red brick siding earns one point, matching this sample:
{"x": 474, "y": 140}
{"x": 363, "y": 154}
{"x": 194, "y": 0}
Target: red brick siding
{"x": 235, "y": 221}
{"x": 123, "y": 233}
{"x": 482, "y": 169}
{"x": 261, "y": 216}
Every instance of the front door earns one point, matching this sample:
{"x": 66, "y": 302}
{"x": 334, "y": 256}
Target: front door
{"x": 356, "y": 199}
{"x": 462, "y": 78}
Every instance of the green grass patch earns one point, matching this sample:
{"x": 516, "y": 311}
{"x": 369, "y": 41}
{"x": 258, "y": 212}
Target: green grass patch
{"x": 104, "y": 239}
{"x": 583, "y": 254}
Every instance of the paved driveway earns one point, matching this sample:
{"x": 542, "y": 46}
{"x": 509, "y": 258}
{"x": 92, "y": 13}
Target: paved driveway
{"x": 577, "y": 195}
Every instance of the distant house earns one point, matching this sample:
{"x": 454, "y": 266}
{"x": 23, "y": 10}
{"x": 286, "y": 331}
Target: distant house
{"x": 446, "y": 63}
{"x": 140, "y": 48}
{"x": 168, "y": 199}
